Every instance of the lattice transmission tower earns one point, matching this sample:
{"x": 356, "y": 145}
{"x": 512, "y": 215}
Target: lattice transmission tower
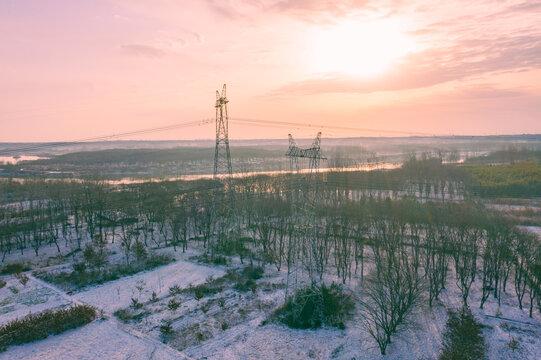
{"x": 304, "y": 200}
{"x": 314, "y": 155}
{"x": 222, "y": 156}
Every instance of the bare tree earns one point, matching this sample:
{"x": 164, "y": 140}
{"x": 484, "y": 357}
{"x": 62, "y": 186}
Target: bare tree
{"x": 394, "y": 288}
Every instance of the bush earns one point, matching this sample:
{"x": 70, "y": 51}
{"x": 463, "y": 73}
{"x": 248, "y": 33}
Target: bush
{"x": 95, "y": 256}
{"x": 135, "y": 303}
{"x": 2, "y": 283}
{"x": 174, "y": 290}
{"x": 219, "y": 260}
{"x": 23, "y": 278}
{"x": 247, "y": 285}
{"x": 125, "y": 315}
{"x": 463, "y": 337}
{"x": 79, "y": 267}
{"x": 207, "y": 259}
{"x": 166, "y": 330}
{"x": 40, "y": 326}
{"x": 140, "y": 251}
{"x": 514, "y": 344}
{"x": 154, "y": 260}
{"x": 14, "y": 268}
{"x": 173, "y": 304}
{"x": 251, "y": 272}
{"x": 198, "y": 293}
{"x": 314, "y": 306}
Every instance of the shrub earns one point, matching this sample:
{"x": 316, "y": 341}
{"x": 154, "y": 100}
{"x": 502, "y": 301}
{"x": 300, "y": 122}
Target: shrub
{"x": 253, "y": 272}
{"x": 79, "y": 267}
{"x": 124, "y": 315}
{"x": 166, "y": 329}
{"x": 247, "y": 285}
{"x": 221, "y": 302}
{"x": 205, "y": 307}
{"x": 198, "y": 293}
{"x": 14, "y": 268}
{"x": 316, "y": 305}
{"x": 173, "y": 304}
{"x": 463, "y": 337}
{"x": 135, "y": 303}
{"x": 23, "y": 278}
{"x": 95, "y": 256}
{"x": 219, "y": 260}
{"x": 206, "y": 259}
{"x": 40, "y": 326}
{"x": 140, "y": 251}
{"x": 154, "y": 260}
{"x": 2, "y": 283}
{"x": 514, "y": 344}
{"x": 174, "y": 290}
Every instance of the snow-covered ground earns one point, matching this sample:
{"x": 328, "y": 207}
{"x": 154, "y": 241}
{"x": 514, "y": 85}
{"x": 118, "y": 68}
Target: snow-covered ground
{"x": 421, "y": 340}
{"x": 105, "y": 338}
{"x": 245, "y": 337}
{"x": 228, "y": 324}
{"x": 18, "y": 300}
{"x": 101, "y": 339}
{"x": 117, "y": 294}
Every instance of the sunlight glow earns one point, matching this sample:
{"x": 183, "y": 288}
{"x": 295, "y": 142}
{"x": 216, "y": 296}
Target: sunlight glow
{"x": 359, "y": 49}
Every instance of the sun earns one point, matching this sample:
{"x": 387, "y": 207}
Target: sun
{"x": 360, "y": 49}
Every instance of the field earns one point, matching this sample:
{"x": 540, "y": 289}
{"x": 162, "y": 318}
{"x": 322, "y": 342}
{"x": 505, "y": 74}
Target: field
{"x": 344, "y": 264}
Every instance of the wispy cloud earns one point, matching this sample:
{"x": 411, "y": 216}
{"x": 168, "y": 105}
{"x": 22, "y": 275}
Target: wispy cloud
{"x": 140, "y": 50}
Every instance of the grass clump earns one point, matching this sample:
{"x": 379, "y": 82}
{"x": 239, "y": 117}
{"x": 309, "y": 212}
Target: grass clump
{"x": 463, "y": 337}
{"x": 40, "y": 326}
{"x": 316, "y": 305}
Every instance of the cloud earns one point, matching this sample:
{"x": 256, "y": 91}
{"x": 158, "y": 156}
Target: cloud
{"x": 467, "y": 58}
{"x": 166, "y": 43}
{"x": 140, "y": 50}
{"x": 525, "y": 6}
{"x": 313, "y": 11}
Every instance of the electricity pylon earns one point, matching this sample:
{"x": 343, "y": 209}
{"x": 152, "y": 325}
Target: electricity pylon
{"x": 314, "y": 155}
{"x": 304, "y": 206}
{"x": 222, "y": 216}
{"x": 222, "y": 156}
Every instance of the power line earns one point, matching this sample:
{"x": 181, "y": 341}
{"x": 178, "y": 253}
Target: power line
{"x": 246, "y": 121}
{"x": 107, "y": 137}
{"x": 329, "y": 127}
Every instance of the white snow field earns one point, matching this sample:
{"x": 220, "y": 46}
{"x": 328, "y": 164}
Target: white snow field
{"x": 421, "y": 340}
{"x": 18, "y": 300}
{"x": 117, "y": 294}
{"x": 101, "y": 339}
{"x": 105, "y": 338}
{"x": 243, "y": 312}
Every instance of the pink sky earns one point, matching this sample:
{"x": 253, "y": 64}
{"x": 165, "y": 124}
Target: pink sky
{"x": 77, "y": 69}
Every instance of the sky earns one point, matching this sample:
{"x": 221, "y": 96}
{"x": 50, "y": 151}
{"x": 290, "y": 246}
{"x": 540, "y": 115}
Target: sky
{"x": 72, "y": 70}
